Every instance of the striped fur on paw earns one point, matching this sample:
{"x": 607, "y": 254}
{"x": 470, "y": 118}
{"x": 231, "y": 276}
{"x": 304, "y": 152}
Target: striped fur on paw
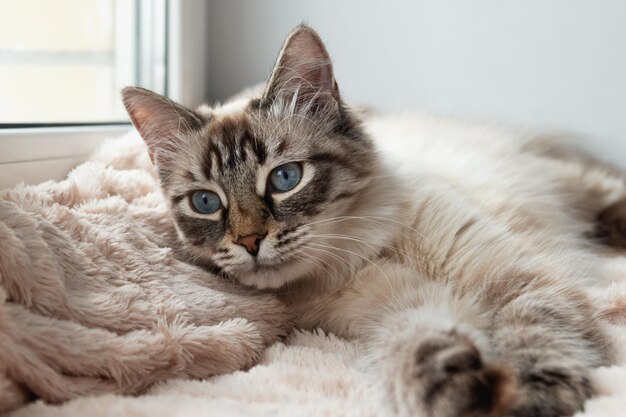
{"x": 454, "y": 381}
{"x": 611, "y": 224}
{"x": 551, "y": 390}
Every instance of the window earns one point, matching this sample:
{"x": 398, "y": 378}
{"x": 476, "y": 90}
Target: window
{"x": 65, "y": 61}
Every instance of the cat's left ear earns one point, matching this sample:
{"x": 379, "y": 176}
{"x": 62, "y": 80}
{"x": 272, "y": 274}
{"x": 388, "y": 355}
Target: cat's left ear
{"x": 162, "y": 123}
{"x": 303, "y": 74}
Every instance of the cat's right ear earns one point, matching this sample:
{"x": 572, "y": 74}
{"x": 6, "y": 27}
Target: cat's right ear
{"x": 161, "y": 122}
{"x": 303, "y": 74}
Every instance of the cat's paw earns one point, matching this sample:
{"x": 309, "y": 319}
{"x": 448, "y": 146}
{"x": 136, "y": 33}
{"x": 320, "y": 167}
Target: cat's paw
{"x": 611, "y": 224}
{"x": 452, "y": 380}
{"x": 551, "y": 390}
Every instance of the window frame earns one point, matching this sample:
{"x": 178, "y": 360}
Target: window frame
{"x": 32, "y": 153}
{"x": 35, "y": 154}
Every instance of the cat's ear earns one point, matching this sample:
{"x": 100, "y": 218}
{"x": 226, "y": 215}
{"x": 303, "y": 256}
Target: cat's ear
{"x": 303, "y": 74}
{"x": 161, "y": 122}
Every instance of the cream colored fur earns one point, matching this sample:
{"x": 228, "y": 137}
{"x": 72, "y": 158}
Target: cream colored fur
{"x": 313, "y": 374}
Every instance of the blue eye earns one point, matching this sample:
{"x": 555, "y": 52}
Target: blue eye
{"x": 205, "y": 202}
{"x": 286, "y": 177}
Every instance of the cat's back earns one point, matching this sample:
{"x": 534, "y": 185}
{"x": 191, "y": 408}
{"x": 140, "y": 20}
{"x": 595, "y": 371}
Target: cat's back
{"x": 490, "y": 166}
{"x": 460, "y": 173}
{"x": 469, "y": 154}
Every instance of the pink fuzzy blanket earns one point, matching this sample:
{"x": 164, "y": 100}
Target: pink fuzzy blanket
{"x": 107, "y": 308}
{"x": 93, "y": 299}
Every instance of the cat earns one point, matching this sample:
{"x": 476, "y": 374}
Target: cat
{"x": 458, "y": 254}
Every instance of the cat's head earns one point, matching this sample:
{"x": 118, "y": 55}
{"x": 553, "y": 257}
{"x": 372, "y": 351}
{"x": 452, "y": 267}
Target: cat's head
{"x": 256, "y": 185}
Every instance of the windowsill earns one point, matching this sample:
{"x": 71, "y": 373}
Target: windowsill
{"x": 33, "y": 155}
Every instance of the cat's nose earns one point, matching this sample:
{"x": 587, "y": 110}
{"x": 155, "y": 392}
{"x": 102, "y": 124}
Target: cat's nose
{"x": 251, "y": 243}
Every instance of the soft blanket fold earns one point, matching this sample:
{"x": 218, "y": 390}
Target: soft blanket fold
{"x": 109, "y": 309}
{"x": 93, "y": 300}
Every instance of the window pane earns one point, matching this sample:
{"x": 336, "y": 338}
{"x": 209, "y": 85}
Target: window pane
{"x": 64, "y": 61}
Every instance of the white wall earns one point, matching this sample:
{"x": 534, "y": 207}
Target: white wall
{"x": 551, "y": 64}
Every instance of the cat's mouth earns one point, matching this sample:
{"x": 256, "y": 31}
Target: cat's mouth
{"x": 271, "y": 275}
{"x": 268, "y": 273}
{"x": 256, "y": 265}
{"x": 265, "y": 266}
{"x": 260, "y": 267}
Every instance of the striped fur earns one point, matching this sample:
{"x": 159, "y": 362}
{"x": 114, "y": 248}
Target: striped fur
{"x": 459, "y": 260}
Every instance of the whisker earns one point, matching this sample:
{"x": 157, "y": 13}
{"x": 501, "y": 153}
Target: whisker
{"x": 411, "y": 257}
{"x": 319, "y": 259}
{"x": 314, "y": 260}
{"x": 377, "y": 220}
{"x": 345, "y": 262}
{"x": 362, "y": 257}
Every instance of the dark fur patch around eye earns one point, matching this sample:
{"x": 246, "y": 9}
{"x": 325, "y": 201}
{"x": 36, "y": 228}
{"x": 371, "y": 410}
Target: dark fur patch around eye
{"x": 232, "y": 148}
{"x": 310, "y": 200}
{"x": 343, "y": 160}
{"x": 198, "y": 230}
{"x": 177, "y": 199}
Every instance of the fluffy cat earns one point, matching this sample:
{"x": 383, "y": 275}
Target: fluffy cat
{"x": 458, "y": 255}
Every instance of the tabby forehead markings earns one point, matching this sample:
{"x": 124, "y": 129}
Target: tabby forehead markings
{"x": 230, "y": 150}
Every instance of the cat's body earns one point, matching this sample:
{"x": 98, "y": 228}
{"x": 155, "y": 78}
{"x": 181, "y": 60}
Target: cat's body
{"x": 458, "y": 255}
{"x": 517, "y": 206}
{"x": 473, "y": 253}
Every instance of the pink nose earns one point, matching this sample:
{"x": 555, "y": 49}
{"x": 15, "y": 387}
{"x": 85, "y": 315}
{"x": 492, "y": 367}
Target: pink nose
{"x": 251, "y": 243}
